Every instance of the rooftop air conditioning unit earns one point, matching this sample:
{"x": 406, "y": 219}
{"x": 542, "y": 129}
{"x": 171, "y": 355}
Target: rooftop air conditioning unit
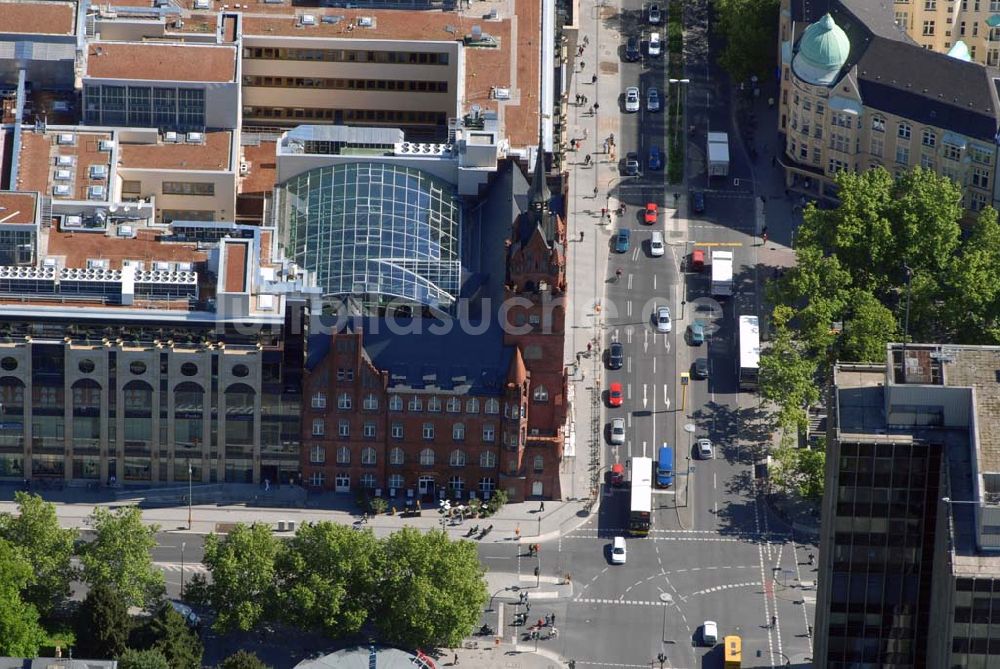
{"x": 95, "y": 193}
{"x": 185, "y": 266}
{"x": 62, "y": 190}
{"x": 64, "y": 161}
{"x": 64, "y": 138}
{"x": 195, "y": 137}
{"x": 501, "y": 93}
{"x": 106, "y": 144}
{"x": 161, "y": 266}
{"x": 63, "y": 175}
{"x": 125, "y": 231}
{"x": 366, "y": 21}
{"x": 307, "y": 20}
{"x": 170, "y": 136}
{"x": 98, "y": 171}
{"x": 202, "y": 4}
{"x": 73, "y": 221}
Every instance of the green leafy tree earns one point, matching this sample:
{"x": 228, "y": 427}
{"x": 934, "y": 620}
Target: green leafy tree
{"x": 242, "y": 659}
{"x": 36, "y": 532}
{"x": 242, "y": 566}
{"x": 20, "y": 633}
{"x": 120, "y": 556}
{"x": 102, "y": 625}
{"x": 142, "y": 659}
{"x": 433, "y": 590}
{"x": 328, "y": 578}
{"x": 972, "y": 306}
{"x": 182, "y": 647}
{"x": 750, "y": 28}
{"x": 787, "y": 377}
{"x": 868, "y": 327}
{"x": 798, "y": 470}
{"x": 926, "y": 211}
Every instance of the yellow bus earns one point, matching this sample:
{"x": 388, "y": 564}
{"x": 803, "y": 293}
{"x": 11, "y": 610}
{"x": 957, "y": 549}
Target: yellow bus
{"x": 733, "y": 652}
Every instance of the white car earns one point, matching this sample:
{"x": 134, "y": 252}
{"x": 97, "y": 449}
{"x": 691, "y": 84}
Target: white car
{"x": 656, "y": 245}
{"x": 705, "y": 451}
{"x": 618, "y": 550}
{"x": 662, "y": 317}
{"x": 631, "y": 99}
{"x": 655, "y": 45}
{"x": 709, "y": 633}
{"x": 618, "y": 431}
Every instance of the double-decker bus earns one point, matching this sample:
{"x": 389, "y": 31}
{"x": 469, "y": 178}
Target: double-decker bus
{"x": 749, "y": 343}
{"x": 641, "y": 500}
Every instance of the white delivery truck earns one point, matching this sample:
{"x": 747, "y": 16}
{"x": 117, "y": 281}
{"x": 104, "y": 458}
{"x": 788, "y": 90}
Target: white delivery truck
{"x": 718, "y": 154}
{"x": 722, "y": 273}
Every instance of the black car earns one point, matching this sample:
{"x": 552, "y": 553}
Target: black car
{"x": 616, "y": 355}
{"x": 632, "y": 52}
{"x": 699, "y": 369}
{"x": 655, "y": 17}
{"x": 698, "y": 202}
{"x": 632, "y": 164}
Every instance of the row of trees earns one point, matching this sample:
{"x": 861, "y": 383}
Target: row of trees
{"x": 892, "y": 258}
{"x": 412, "y": 588}
{"x": 750, "y": 29}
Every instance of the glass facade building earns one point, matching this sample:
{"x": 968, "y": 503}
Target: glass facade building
{"x": 375, "y": 232}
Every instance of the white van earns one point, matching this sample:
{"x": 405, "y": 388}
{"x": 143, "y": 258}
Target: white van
{"x": 709, "y": 633}
{"x": 656, "y": 247}
{"x": 618, "y": 550}
{"x": 655, "y": 45}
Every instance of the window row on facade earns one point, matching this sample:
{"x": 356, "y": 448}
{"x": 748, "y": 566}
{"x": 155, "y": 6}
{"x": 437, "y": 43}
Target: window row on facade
{"x": 396, "y": 483}
{"x": 388, "y": 85}
{"x": 348, "y": 116}
{"x": 397, "y": 431}
{"x": 370, "y": 402}
{"x": 427, "y": 457}
{"x": 144, "y": 106}
{"x": 347, "y": 55}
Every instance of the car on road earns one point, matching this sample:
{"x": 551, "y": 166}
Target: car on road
{"x": 632, "y": 52}
{"x": 618, "y": 475}
{"x": 616, "y": 355}
{"x": 705, "y": 451}
{"x": 709, "y": 633}
{"x": 655, "y": 16}
{"x": 632, "y": 164}
{"x": 618, "y": 550}
{"x": 650, "y": 214}
{"x": 656, "y": 246}
{"x": 631, "y": 99}
{"x": 615, "y": 394}
{"x": 697, "y": 332}
{"x": 697, "y": 260}
{"x": 698, "y": 202}
{"x": 662, "y": 317}
{"x": 618, "y": 431}
{"x": 699, "y": 368}
{"x": 655, "y": 45}
{"x": 653, "y": 100}
{"x": 655, "y": 158}
{"x": 622, "y": 240}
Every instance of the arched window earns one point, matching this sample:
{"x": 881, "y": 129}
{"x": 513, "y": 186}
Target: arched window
{"x": 472, "y": 406}
{"x": 457, "y": 458}
{"x": 343, "y": 455}
{"x": 368, "y": 456}
{"x": 540, "y": 394}
{"x": 397, "y": 456}
{"x": 454, "y": 405}
{"x": 319, "y": 427}
{"x": 488, "y": 460}
{"x": 427, "y": 457}
{"x": 395, "y": 403}
{"x": 493, "y": 405}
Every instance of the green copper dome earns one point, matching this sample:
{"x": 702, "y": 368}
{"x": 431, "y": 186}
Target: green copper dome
{"x": 823, "y": 50}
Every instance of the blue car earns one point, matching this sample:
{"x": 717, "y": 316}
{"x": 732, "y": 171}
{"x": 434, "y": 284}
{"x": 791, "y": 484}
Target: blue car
{"x": 655, "y": 158}
{"x": 622, "y": 240}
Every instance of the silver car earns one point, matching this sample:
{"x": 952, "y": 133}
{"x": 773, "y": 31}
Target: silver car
{"x": 653, "y": 99}
{"x": 662, "y": 317}
{"x": 631, "y": 99}
{"x": 618, "y": 431}
{"x": 705, "y": 451}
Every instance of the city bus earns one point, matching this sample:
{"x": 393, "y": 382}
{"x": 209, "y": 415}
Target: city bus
{"x": 641, "y": 499}
{"x": 749, "y": 343}
{"x": 732, "y": 652}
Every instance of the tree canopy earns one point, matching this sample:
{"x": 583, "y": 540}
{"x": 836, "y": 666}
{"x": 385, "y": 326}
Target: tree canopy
{"x": 242, "y": 659}
{"x": 242, "y": 565}
{"x": 20, "y": 633}
{"x": 102, "y": 624}
{"x": 120, "y": 556}
{"x": 143, "y": 659}
{"x": 750, "y": 28}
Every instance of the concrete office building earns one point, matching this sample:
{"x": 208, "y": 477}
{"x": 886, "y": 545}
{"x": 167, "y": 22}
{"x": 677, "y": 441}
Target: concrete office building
{"x": 857, "y": 92}
{"x": 909, "y": 566}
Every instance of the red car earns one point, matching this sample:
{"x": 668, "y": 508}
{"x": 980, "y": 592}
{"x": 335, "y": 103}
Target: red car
{"x": 615, "y": 395}
{"x": 618, "y": 474}
{"x": 650, "y": 214}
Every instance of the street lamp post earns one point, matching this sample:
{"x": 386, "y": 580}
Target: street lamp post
{"x": 189, "y": 493}
{"x": 183, "y": 545}
{"x": 678, "y": 120}
{"x": 689, "y": 428}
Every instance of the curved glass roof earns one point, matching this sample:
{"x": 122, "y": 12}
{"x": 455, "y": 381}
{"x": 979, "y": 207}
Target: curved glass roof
{"x": 375, "y": 231}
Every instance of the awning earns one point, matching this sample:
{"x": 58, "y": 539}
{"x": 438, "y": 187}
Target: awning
{"x": 842, "y": 104}
{"x": 993, "y": 21}
{"x": 954, "y": 140}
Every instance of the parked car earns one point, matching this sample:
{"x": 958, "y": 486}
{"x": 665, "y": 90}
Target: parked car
{"x": 655, "y": 17}
{"x": 705, "y": 451}
{"x": 655, "y": 158}
{"x": 655, "y": 45}
{"x": 699, "y": 368}
{"x": 618, "y": 431}
{"x": 615, "y": 394}
{"x": 653, "y": 99}
{"x": 697, "y": 332}
{"x": 698, "y": 202}
{"x": 616, "y": 355}
{"x": 632, "y": 164}
{"x": 632, "y": 52}
{"x": 662, "y": 318}
{"x": 631, "y": 99}
{"x": 650, "y": 214}
{"x": 622, "y": 240}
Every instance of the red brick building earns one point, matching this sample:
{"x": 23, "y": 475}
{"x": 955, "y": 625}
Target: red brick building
{"x": 460, "y": 413}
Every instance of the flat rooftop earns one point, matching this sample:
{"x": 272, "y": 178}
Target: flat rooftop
{"x": 212, "y": 154}
{"x": 977, "y": 366}
{"x": 17, "y": 208}
{"x": 263, "y": 174}
{"x": 39, "y": 18}
{"x": 76, "y": 248}
{"x": 161, "y": 62}
{"x": 39, "y": 167}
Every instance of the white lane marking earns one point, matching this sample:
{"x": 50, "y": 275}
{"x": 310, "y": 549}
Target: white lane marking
{"x": 654, "y": 282}
{"x": 645, "y": 399}
{"x": 628, "y": 391}
{"x": 645, "y": 341}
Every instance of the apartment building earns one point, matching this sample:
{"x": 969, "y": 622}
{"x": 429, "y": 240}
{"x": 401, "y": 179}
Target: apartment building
{"x": 857, "y": 92}
{"x": 910, "y": 541}
{"x": 970, "y": 28}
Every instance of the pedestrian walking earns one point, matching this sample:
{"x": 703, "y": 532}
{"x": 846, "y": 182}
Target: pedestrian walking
{"x": 582, "y": 65}
{"x": 611, "y": 138}
{"x": 587, "y": 159}
{"x": 589, "y": 347}
{"x": 455, "y": 659}
{"x": 597, "y": 106}
{"x": 586, "y": 40}
{"x": 595, "y": 191}
{"x": 579, "y": 50}
{"x": 593, "y": 79}
{"x": 774, "y": 621}
{"x": 581, "y": 235}
{"x": 541, "y": 508}
{"x": 812, "y": 558}
{"x": 553, "y": 619}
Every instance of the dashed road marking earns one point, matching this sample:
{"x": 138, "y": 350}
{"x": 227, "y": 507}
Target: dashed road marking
{"x": 717, "y": 588}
